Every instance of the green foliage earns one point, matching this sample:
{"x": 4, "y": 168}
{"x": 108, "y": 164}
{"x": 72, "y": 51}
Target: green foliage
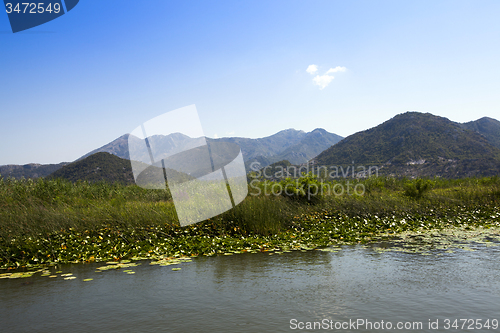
{"x": 47, "y": 221}
{"x": 417, "y": 188}
{"x": 307, "y": 188}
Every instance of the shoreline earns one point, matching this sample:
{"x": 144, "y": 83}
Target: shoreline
{"x": 49, "y": 222}
{"x": 318, "y": 233}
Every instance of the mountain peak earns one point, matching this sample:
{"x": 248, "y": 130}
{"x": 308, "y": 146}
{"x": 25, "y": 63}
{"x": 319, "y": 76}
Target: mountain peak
{"x": 489, "y": 128}
{"x": 448, "y": 148}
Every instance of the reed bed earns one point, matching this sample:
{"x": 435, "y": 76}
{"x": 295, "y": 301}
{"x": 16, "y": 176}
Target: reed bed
{"x": 44, "y": 222}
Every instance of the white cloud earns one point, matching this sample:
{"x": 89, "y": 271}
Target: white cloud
{"x": 230, "y": 133}
{"x": 322, "y": 80}
{"x": 336, "y": 69}
{"x": 312, "y": 69}
{"x": 216, "y": 136}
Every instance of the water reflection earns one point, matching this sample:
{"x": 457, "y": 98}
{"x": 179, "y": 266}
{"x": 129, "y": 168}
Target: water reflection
{"x": 259, "y": 292}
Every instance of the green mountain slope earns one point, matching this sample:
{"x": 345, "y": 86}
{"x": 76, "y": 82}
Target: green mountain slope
{"x": 488, "y": 127}
{"x": 417, "y": 144}
{"x": 110, "y": 168}
{"x": 97, "y": 167}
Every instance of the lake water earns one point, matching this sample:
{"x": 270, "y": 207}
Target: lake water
{"x": 264, "y": 293}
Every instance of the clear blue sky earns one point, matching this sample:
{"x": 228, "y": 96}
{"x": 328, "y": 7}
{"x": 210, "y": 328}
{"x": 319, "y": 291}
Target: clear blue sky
{"x": 78, "y": 82}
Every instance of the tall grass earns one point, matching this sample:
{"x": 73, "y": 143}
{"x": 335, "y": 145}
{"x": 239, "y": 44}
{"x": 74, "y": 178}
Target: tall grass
{"x": 31, "y": 207}
{"x": 58, "y": 221}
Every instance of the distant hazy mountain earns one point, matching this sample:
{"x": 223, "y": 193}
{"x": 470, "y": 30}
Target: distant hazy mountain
{"x": 118, "y": 147}
{"x": 417, "y": 144}
{"x": 293, "y": 145}
{"x": 31, "y": 170}
{"x": 488, "y": 127}
{"x": 296, "y": 146}
{"x": 268, "y": 146}
{"x": 310, "y": 146}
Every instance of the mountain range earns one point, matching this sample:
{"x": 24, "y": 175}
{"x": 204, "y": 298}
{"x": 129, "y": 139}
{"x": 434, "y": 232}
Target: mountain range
{"x": 421, "y": 144}
{"x": 293, "y": 145}
{"x": 409, "y": 144}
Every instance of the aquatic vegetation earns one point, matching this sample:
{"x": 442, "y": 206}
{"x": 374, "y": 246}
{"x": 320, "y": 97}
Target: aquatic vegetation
{"x": 45, "y": 223}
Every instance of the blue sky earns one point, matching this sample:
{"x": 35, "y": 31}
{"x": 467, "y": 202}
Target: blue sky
{"x": 78, "y": 82}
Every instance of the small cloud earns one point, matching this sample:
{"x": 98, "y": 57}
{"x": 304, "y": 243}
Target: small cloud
{"x": 322, "y": 80}
{"x": 230, "y": 133}
{"x": 336, "y": 69}
{"x": 216, "y": 136}
{"x": 312, "y": 69}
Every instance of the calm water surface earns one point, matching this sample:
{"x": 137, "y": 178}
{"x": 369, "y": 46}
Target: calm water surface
{"x": 260, "y": 293}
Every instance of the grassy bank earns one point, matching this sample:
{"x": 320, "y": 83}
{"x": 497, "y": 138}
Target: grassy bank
{"x": 54, "y": 221}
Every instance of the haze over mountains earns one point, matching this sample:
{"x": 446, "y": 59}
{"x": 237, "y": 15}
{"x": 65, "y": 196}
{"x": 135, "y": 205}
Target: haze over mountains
{"x": 293, "y": 145}
{"x": 410, "y": 144}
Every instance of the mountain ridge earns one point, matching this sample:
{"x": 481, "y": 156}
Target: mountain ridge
{"x": 417, "y": 144}
{"x": 401, "y": 153}
{"x": 486, "y": 126}
{"x": 287, "y": 143}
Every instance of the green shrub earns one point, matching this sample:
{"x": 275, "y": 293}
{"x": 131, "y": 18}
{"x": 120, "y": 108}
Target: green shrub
{"x": 305, "y": 189}
{"x": 417, "y": 188}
